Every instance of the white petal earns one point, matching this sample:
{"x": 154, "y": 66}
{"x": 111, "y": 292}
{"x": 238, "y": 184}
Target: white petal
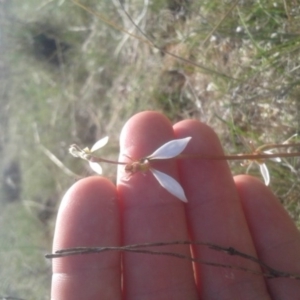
{"x": 101, "y": 143}
{"x": 96, "y": 167}
{"x": 170, "y": 149}
{"x": 170, "y": 184}
{"x": 75, "y": 150}
{"x": 265, "y": 173}
{"x": 276, "y": 159}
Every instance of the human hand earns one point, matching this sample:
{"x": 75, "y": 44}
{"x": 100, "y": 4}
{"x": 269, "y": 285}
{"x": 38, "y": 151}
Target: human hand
{"x": 240, "y": 213}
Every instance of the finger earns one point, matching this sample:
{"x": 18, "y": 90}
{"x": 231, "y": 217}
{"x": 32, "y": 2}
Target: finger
{"x": 215, "y": 215}
{"x": 276, "y": 238}
{"x": 151, "y": 214}
{"x": 88, "y": 216}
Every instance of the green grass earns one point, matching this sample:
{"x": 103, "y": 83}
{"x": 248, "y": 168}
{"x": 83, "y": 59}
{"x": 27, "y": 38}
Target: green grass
{"x": 24, "y": 272}
{"x": 242, "y": 79}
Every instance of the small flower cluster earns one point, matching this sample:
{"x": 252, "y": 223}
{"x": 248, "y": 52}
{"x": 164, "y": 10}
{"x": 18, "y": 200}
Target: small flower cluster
{"x": 87, "y": 153}
{"x": 169, "y": 150}
{"x": 263, "y": 167}
{"x": 261, "y": 162}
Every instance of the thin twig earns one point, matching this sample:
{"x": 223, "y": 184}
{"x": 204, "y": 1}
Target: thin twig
{"x": 239, "y": 156}
{"x": 268, "y": 273}
{"x": 110, "y": 23}
{"x": 137, "y": 21}
{"x": 148, "y": 41}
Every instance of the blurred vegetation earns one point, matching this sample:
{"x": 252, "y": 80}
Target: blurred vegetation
{"x": 68, "y": 77}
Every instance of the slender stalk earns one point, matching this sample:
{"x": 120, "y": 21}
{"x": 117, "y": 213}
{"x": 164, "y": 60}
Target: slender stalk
{"x": 99, "y": 159}
{"x": 239, "y": 156}
{"x": 256, "y": 155}
{"x": 268, "y": 271}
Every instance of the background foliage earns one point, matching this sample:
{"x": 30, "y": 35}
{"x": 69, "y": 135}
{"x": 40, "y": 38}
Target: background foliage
{"x": 69, "y": 77}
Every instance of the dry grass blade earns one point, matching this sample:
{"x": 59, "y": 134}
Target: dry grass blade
{"x": 220, "y": 22}
{"x": 51, "y": 156}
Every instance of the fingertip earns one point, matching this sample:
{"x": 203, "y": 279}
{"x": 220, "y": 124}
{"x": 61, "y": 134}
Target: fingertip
{"x": 275, "y": 236}
{"x": 81, "y": 207}
{"x": 203, "y": 137}
{"x": 89, "y": 186}
{"x": 88, "y": 217}
{"x": 200, "y": 172}
{"x": 254, "y": 194}
{"x": 262, "y": 209}
{"x": 245, "y": 180}
{"x": 141, "y": 135}
{"x": 141, "y": 130}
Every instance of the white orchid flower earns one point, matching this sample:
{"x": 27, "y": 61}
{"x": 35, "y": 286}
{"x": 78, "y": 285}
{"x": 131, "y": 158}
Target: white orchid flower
{"x": 86, "y": 153}
{"x": 170, "y": 184}
{"x": 265, "y": 173}
{"x": 169, "y": 150}
{"x": 263, "y": 167}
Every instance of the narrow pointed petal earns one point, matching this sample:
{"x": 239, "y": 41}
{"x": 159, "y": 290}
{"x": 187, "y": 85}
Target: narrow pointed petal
{"x": 95, "y": 167}
{"x": 275, "y": 159}
{"x": 170, "y": 149}
{"x": 75, "y": 150}
{"x": 101, "y": 143}
{"x": 170, "y": 184}
{"x": 265, "y": 173}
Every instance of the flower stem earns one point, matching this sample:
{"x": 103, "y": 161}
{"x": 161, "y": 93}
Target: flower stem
{"x": 254, "y": 156}
{"x": 99, "y": 159}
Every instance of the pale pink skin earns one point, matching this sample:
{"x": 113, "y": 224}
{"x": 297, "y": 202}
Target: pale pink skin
{"x": 240, "y": 212}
